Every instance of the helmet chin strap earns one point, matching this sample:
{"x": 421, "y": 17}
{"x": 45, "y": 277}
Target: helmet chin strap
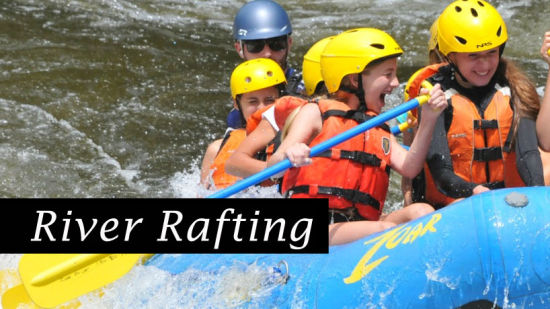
{"x": 454, "y": 68}
{"x": 359, "y": 93}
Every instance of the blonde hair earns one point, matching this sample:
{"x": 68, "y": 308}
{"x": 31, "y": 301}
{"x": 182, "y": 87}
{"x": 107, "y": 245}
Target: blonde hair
{"x": 290, "y": 118}
{"x": 288, "y": 122}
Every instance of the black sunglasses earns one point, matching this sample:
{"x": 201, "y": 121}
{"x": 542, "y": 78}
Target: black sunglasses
{"x": 275, "y": 44}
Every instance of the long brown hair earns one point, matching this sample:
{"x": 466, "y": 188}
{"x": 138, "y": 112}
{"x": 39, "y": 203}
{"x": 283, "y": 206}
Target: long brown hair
{"x": 524, "y": 93}
{"x": 524, "y": 96}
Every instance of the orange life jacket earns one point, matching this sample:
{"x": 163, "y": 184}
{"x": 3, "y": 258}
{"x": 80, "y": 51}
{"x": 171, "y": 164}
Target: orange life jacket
{"x": 412, "y": 90}
{"x": 254, "y": 119}
{"x": 479, "y": 146}
{"x": 284, "y": 107}
{"x": 354, "y": 173}
{"x": 230, "y": 142}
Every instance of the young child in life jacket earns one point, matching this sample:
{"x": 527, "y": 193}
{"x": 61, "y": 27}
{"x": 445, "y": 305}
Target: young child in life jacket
{"x": 543, "y": 129}
{"x": 485, "y": 139}
{"x": 255, "y": 84}
{"x": 359, "y": 68}
{"x": 244, "y": 163}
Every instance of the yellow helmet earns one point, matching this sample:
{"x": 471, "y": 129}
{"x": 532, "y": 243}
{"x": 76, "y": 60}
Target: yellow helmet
{"x": 254, "y": 75}
{"x": 311, "y": 67}
{"x": 351, "y": 51}
{"x": 468, "y": 26}
{"x": 432, "y": 43}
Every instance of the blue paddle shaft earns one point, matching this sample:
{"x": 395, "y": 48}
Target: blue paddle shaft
{"x": 315, "y": 150}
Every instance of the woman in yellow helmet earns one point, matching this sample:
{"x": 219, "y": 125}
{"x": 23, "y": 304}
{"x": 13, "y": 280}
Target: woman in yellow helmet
{"x": 243, "y": 162}
{"x": 491, "y": 111}
{"x": 254, "y": 84}
{"x": 359, "y": 67}
{"x": 543, "y": 129}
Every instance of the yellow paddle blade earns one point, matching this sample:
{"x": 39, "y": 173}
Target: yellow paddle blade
{"x": 17, "y": 296}
{"x": 53, "y": 279}
{"x": 8, "y": 279}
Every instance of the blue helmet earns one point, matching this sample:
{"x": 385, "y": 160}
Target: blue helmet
{"x": 261, "y": 19}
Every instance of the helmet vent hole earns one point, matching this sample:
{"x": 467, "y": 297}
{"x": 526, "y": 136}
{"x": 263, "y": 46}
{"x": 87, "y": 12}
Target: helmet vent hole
{"x": 269, "y": 73}
{"x": 379, "y": 46}
{"x": 248, "y": 79}
{"x": 458, "y": 9}
{"x": 474, "y": 12}
{"x": 480, "y": 3}
{"x": 461, "y": 40}
{"x": 499, "y": 31}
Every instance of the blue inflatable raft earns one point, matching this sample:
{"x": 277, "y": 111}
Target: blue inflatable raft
{"x": 492, "y": 248}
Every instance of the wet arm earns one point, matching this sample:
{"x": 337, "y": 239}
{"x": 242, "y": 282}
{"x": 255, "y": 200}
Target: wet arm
{"x": 543, "y": 130}
{"x": 406, "y": 183}
{"x": 441, "y": 166}
{"x": 242, "y": 162}
{"x": 209, "y": 156}
{"x": 410, "y": 163}
{"x": 306, "y": 125}
{"x": 528, "y": 159}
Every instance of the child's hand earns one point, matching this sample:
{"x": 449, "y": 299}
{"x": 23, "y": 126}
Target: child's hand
{"x": 436, "y": 104}
{"x": 298, "y": 154}
{"x": 545, "y": 48}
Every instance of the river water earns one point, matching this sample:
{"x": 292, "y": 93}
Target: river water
{"x": 119, "y": 98}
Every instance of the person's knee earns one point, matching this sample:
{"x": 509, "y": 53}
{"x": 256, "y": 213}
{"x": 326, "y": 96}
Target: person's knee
{"x": 384, "y": 225}
{"x": 420, "y": 209}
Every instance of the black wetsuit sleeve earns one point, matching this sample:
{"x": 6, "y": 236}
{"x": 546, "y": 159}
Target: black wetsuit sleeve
{"x": 528, "y": 159}
{"x": 441, "y": 166}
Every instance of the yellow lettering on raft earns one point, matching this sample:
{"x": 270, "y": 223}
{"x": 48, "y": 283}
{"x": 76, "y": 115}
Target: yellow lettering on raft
{"x": 390, "y": 239}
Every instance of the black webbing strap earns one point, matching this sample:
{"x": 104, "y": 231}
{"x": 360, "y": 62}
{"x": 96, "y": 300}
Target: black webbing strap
{"x": 487, "y": 154}
{"x": 353, "y": 196}
{"x": 485, "y": 124}
{"x": 355, "y": 156}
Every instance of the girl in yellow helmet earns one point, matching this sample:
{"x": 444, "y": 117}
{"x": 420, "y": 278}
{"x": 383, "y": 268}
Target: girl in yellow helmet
{"x": 359, "y": 68}
{"x": 243, "y": 162}
{"x": 491, "y": 111}
{"x": 543, "y": 130}
{"x": 254, "y": 84}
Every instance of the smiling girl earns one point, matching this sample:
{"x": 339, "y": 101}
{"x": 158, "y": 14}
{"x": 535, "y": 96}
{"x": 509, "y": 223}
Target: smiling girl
{"x": 359, "y": 68}
{"x": 486, "y": 138}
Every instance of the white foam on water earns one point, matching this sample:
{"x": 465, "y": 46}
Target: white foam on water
{"x": 230, "y": 286}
